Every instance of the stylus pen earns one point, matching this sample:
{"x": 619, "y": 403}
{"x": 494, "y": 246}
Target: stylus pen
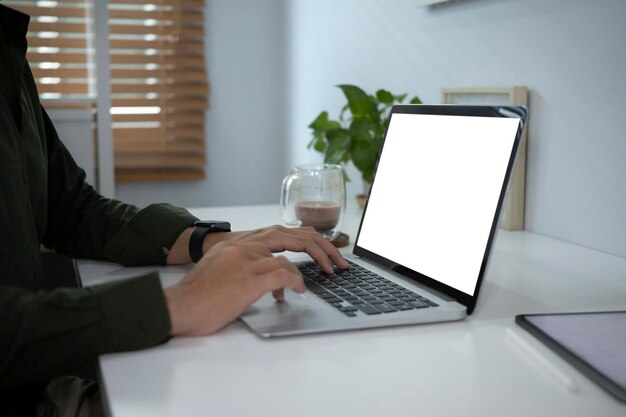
{"x": 541, "y": 360}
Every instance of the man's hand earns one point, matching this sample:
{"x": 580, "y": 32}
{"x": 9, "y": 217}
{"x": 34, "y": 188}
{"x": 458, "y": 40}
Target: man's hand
{"x": 279, "y": 239}
{"x": 229, "y": 278}
{"x": 274, "y": 238}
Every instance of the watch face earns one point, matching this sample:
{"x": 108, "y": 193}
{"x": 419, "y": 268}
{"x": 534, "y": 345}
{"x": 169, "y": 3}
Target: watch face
{"x": 214, "y": 224}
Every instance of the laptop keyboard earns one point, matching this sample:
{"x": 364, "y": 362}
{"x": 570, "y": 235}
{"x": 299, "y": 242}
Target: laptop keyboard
{"x": 359, "y": 290}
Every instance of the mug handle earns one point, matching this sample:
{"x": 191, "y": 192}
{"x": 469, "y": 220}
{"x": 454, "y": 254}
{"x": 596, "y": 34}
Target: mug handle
{"x": 285, "y": 202}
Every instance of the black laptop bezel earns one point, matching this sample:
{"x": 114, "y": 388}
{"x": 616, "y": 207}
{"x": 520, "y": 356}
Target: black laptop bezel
{"x": 518, "y": 112}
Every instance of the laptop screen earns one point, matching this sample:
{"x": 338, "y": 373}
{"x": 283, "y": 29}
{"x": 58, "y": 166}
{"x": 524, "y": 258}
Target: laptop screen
{"x": 436, "y": 194}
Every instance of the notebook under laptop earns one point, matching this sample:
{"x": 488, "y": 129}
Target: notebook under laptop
{"x": 426, "y": 231}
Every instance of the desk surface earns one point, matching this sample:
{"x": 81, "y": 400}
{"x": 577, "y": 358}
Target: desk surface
{"x": 467, "y": 368}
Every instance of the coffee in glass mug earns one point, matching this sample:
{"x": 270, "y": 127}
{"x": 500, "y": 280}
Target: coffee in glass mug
{"x": 314, "y": 195}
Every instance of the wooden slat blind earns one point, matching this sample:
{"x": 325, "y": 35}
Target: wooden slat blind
{"x": 159, "y": 86}
{"x": 159, "y": 89}
{"x": 58, "y": 48}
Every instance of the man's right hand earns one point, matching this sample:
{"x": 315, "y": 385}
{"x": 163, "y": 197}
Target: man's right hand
{"x": 228, "y": 279}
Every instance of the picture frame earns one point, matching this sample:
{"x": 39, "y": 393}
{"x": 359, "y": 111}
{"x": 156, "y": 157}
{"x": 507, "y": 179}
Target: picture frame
{"x": 514, "y": 205}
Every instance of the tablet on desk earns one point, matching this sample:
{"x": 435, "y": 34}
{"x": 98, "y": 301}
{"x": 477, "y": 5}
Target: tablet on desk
{"x": 593, "y": 342}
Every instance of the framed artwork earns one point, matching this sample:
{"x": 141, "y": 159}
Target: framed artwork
{"x": 513, "y": 211}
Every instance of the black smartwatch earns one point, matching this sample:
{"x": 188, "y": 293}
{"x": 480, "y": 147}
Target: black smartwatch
{"x": 200, "y": 230}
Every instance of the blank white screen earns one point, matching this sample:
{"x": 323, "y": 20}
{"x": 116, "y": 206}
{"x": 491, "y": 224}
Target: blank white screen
{"x": 435, "y": 194}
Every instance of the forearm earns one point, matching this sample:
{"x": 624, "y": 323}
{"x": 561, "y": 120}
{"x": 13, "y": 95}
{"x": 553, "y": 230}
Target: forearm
{"x": 179, "y": 252}
{"x": 44, "y": 335}
{"x": 82, "y": 223}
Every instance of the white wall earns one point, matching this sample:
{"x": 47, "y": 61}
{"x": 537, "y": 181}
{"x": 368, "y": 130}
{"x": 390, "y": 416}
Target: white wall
{"x": 273, "y": 65}
{"x": 570, "y": 53}
{"x": 246, "y": 130}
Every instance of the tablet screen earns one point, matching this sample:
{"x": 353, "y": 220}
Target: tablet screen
{"x": 593, "y": 342}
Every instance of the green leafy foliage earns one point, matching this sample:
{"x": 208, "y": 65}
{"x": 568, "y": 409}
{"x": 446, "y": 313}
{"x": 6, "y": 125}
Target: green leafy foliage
{"x": 357, "y": 135}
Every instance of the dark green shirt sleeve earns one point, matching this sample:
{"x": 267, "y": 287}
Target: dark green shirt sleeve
{"x": 83, "y": 224}
{"x": 44, "y": 199}
{"x": 48, "y": 334}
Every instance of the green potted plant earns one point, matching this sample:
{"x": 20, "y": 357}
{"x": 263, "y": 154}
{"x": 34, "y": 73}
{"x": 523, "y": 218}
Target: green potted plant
{"x": 357, "y": 135}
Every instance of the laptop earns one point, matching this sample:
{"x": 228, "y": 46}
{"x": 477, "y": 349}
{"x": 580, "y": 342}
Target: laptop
{"x": 426, "y": 231}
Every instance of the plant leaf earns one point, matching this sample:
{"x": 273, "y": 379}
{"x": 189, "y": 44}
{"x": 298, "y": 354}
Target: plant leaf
{"x": 364, "y": 154}
{"x": 339, "y": 142}
{"x": 320, "y": 144}
{"x": 343, "y": 110}
{"x": 319, "y": 120}
{"x": 322, "y": 123}
{"x": 356, "y": 136}
{"x": 359, "y": 102}
{"x": 368, "y": 174}
{"x": 362, "y": 129}
{"x": 384, "y": 96}
{"x": 400, "y": 98}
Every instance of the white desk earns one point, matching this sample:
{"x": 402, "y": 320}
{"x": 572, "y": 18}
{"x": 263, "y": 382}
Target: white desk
{"x": 467, "y": 368}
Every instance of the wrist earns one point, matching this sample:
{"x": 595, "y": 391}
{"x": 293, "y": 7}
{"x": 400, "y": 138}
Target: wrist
{"x": 201, "y": 230}
{"x": 175, "y": 310}
{"x": 213, "y": 239}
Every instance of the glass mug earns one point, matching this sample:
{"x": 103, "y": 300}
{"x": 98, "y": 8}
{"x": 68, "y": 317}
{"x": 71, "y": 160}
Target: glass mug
{"x": 314, "y": 195}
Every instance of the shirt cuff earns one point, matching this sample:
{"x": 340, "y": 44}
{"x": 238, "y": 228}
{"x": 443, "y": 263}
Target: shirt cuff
{"x": 147, "y": 238}
{"x": 134, "y": 311}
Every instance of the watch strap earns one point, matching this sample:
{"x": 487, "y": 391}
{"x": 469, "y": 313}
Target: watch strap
{"x": 200, "y": 230}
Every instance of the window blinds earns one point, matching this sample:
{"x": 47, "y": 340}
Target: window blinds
{"x": 159, "y": 86}
{"x": 58, "y": 47}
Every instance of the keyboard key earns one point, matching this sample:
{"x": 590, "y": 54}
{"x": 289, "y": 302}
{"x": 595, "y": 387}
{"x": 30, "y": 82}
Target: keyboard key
{"x": 342, "y": 293}
{"x": 385, "y": 308}
{"x": 418, "y": 304}
{"x": 368, "y": 309}
{"x": 313, "y": 287}
{"x": 326, "y": 295}
{"x": 358, "y": 289}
